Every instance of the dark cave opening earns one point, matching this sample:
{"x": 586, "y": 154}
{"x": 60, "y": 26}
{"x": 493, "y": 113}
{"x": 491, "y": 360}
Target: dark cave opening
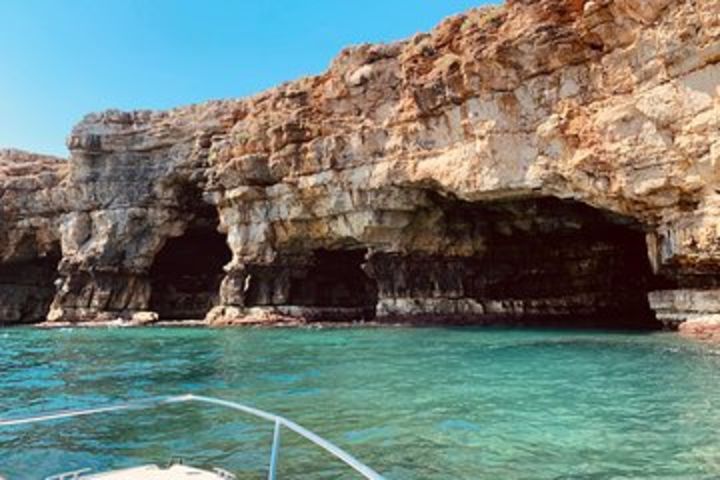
{"x": 544, "y": 261}
{"x": 27, "y": 288}
{"x": 598, "y": 273}
{"x": 187, "y": 272}
{"x": 334, "y": 281}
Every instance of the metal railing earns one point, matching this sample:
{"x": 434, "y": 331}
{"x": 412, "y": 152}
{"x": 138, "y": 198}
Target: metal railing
{"x": 278, "y": 421}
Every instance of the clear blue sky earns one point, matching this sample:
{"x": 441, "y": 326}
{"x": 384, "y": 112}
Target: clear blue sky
{"x": 60, "y": 59}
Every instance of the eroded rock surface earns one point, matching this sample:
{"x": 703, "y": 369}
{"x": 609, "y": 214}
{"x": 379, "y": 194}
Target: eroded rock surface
{"x": 31, "y": 203}
{"x": 549, "y": 161}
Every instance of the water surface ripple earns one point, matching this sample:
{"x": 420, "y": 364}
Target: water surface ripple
{"x": 412, "y": 403}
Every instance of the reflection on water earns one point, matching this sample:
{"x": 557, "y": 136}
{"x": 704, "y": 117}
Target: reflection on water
{"x": 414, "y": 404}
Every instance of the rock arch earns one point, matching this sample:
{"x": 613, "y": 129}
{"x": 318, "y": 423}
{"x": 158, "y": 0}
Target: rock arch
{"x": 27, "y": 287}
{"x": 186, "y": 273}
{"x": 524, "y": 260}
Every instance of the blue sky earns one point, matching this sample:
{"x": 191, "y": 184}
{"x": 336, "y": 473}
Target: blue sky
{"x": 60, "y": 59}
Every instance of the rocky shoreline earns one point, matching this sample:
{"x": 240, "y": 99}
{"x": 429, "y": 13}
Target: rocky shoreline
{"x": 703, "y": 330}
{"x": 298, "y": 323}
{"x": 546, "y": 162}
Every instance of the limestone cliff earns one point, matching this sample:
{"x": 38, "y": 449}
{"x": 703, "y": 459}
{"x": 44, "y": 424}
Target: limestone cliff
{"x": 547, "y": 161}
{"x": 31, "y": 202}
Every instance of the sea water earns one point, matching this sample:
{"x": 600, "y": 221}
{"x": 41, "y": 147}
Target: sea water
{"x": 411, "y": 403}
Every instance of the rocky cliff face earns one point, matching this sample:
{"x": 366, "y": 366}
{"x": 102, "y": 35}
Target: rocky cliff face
{"x": 547, "y": 161}
{"x": 31, "y": 202}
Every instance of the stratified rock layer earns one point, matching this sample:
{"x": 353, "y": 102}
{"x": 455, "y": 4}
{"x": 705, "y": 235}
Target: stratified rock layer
{"x": 548, "y": 161}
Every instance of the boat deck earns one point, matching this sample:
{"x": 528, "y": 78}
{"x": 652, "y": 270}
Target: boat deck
{"x": 153, "y": 472}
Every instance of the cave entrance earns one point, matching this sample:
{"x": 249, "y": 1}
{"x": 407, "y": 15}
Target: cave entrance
{"x": 534, "y": 261}
{"x": 564, "y": 263}
{"x": 187, "y": 272}
{"x": 27, "y": 288}
{"x": 335, "y": 287}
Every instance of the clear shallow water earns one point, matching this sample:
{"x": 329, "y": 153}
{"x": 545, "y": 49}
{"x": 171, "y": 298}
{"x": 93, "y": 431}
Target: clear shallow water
{"x": 414, "y": 404}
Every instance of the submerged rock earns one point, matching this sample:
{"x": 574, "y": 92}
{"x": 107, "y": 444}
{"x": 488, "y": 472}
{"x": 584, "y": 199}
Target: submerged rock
{"x": 544, "y": 162}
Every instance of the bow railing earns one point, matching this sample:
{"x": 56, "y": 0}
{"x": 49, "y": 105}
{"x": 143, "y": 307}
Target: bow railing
{"x": 278, "y": 421}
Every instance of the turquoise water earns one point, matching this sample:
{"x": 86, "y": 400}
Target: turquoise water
{"x": 413, "y": 403}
